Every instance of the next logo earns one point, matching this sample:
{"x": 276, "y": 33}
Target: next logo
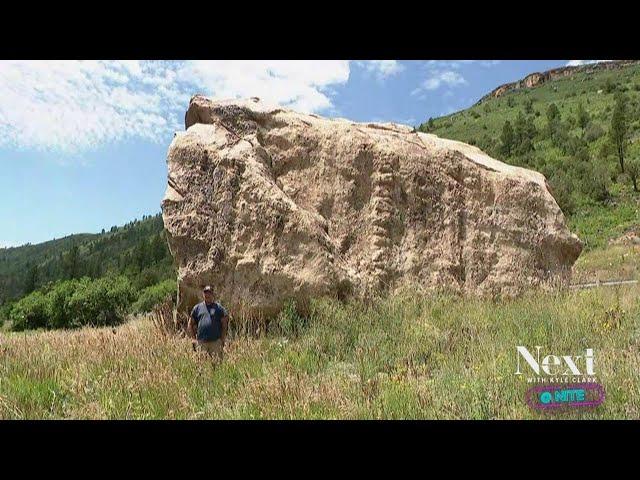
{"x": 551, "y": 364}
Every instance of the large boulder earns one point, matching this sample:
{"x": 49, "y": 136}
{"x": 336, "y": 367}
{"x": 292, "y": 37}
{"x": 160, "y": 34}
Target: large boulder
{"x": 266, "y": 205}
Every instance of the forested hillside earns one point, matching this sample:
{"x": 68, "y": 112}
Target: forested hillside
{"x": 580, "y": 131}
{"x": 136, "y": 254}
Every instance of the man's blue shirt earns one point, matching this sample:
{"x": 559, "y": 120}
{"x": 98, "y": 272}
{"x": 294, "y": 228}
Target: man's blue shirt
{"x": 209, "y": 321}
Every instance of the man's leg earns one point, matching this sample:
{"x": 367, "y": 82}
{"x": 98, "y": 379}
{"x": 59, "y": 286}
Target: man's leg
{"x": 217, "y": 349}
{"x": 213, "y": 349}
{"x": 205, "y": 347}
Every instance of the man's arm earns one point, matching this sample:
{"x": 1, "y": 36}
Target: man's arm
{"x": 191, "y": 331}
{"x": 191, "y": 325}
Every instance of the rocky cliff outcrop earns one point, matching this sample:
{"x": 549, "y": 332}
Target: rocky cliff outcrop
{"x": 266, "y": 204}
{"x": 535, "y": 79}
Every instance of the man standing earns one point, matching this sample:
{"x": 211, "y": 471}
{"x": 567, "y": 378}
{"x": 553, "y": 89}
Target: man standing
{"x": 211, "y": 320}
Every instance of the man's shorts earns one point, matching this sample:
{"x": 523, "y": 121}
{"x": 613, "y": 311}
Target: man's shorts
{"x": 214, "y": 348}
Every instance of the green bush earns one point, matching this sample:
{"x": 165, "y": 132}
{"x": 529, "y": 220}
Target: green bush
{"x": 151, "y": 296}
{"x": 609, "y": 86}
{"x": 57, "y": 299}
{"x": 30, "y": 312}
{"x": 561, "y": 189}
{"x": 100, "y": 302}
{"x": 593, "y": 132}
{"x": 74, "y": 303}
{"x": 5, "y": 310}
{"x": 595, "y": 181}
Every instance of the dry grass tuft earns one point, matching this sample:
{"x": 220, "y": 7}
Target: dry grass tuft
{"x": 168, "y": 320}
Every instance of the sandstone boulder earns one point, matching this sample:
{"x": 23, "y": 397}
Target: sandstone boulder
{"x": 266, "y": 205}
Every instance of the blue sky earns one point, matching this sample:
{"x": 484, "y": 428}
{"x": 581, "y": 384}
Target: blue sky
{"x": 83, "y": 144}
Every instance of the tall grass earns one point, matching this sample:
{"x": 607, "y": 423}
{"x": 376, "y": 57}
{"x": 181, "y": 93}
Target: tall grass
{"x": 409, "y": 356}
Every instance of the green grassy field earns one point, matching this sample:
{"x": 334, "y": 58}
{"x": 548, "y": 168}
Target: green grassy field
{"x": 617, "y": 262}
{"x": 409, "y": 356}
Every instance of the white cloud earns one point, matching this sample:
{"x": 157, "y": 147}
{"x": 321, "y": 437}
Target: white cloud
{"x": 576, "y": 63}
{"x": 440, "y": 73}
{"x": 405, "y": 121}
{"x": 382, "y": 68}
{"x": 72, "y": 106}
{"x": 456, "y": 64}
{"x": 439, "y": 78}
{"x": 297, "y": 84}
{"x": 490, "y": 63}
{"x": 75, "y": 105}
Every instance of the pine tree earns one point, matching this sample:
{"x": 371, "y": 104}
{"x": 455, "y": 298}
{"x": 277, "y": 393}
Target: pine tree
{"x": 528, "y": 106}
{"x": 524, "y": 133}
{"x": 619, "y": 129}
{"x": 582, "y": 117}
{"x": 158, "y": 248}
{"x": 507, "y": 138}
{"x": 71, "y": 263}
{"x": 554, "y": 124}
{"x": 553, "y": 112}
{"x": 633, "y": 171}
{"x": 31, "y": 279}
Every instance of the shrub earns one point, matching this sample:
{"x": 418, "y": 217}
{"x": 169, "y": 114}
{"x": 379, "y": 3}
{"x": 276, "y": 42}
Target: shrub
{"x": 30, "y": 312}
{"x": 5, "y": 311}
{"x": 560, "y": 137}
{"x": 572, "y": 145}
{"x": 609, "y": 86}
{"x": 561, "y": 188}
{"x": 146, "y": 278}
{"x": 595, "y": 180}
{"x": 528, "y": 106}
{"x": 153, "y": 295}
{"x": 593, "y": 132}
{"x": 104, "y": 301}
{"x": 633, "y": 172}
{"x": 57, "y": 299}
{"x": 74, "y": 303}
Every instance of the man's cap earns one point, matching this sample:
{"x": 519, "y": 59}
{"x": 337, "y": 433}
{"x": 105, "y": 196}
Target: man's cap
{"x": 207, "y": 289}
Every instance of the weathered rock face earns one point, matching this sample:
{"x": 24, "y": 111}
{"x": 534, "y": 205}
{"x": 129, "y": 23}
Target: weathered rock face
{"x": 266, "y": 204}
{"x": 538, "y": 78}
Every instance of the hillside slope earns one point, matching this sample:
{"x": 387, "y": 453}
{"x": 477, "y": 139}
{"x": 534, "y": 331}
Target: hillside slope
{"x": 561, "y": 128}
{"x": 137, "y": 249}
